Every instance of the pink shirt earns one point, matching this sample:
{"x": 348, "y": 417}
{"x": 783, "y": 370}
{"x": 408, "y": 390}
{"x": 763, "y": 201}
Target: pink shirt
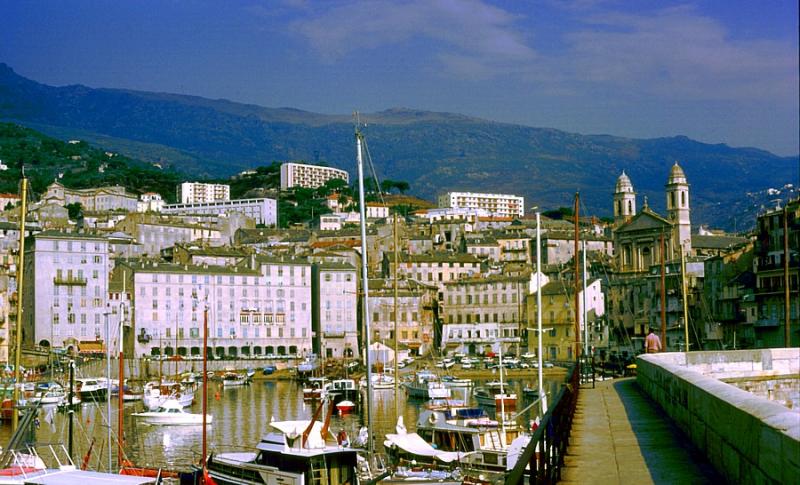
{"x": 652, "y": 343}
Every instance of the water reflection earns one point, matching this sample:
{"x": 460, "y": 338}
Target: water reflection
{"x": 241, "y": 417}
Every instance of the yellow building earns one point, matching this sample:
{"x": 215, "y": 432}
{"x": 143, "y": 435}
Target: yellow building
{"x": 558, "y": 321}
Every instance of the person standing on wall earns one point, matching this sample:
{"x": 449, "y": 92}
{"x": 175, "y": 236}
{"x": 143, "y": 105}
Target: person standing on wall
{"x": 652, "y": 344}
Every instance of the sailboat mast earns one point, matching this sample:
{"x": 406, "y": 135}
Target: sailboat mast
{"x": 585, "y": 306}
{"x": 108, "y": 387}
{"x": 542, "y": 398}
{"x": 685, "y": 302}
{"x": 121, "y": 392}
{"x": 365, "y": 282}
{"x": 787, "y": 336}
{"x": 71, "y": 404}
{"x": 205, "y": 382}
{"x": 18, "y": 326}
{"x": 396, "y": 366}
{"x": 577, "y": 278}
{"x": 663, "y": 295}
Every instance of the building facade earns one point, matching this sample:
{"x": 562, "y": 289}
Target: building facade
{"x": 197, "y": 192}
{"x": 66, "y": 289}
{"x": 309, "y": 176}
{"x": 495, "y": 204}
{"x": 257, "y": 309}
{"x": 263, "y": 211}
{"x": 100, "y": 199}
{"x": 334, "y": 302}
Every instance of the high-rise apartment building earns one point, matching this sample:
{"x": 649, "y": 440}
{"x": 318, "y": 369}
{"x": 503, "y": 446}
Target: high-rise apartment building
{"x": 309, "y": 176}
{"x": 196, "y": 192}
{"x": 502, "y": 205}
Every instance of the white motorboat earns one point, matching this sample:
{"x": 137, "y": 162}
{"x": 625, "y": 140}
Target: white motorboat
{"x": 459, "y": 382}
{"x": 171, "y": 413}
{"x": 379, "y": 381}
{"x": 232, "y": 379}
{"x": 91, "y": 389}
{"x": 155, "y": 394}
{"x": 51, "y": 394}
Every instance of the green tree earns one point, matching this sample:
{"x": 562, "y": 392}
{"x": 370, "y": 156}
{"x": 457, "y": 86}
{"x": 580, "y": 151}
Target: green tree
{"x": 74, "y": 210}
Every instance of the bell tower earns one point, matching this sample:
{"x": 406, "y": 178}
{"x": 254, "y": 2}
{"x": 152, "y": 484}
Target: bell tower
{"x": 624, "y": 200}
{"x": 678, "y": 207}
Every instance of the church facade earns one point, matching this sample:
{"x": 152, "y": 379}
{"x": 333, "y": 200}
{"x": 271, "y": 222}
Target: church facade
{"x": 642, "y": 239}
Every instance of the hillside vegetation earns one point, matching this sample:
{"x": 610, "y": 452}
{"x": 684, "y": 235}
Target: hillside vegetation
{"x": 76, "y": 165}
{"x": 434, "y": 152}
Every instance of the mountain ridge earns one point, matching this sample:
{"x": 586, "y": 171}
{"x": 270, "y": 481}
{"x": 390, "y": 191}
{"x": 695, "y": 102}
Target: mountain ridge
{"x": 434, "y": 152}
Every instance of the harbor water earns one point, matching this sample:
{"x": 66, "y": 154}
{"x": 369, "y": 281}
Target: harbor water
{"x": 241, "y": 416}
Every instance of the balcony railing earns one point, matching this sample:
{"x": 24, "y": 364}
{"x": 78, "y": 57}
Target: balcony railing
{"x": 333, "y": 333}
{"x": 767, "y": 322}
{"x": 144, "y": 338}
{"x": 70, "y": 280}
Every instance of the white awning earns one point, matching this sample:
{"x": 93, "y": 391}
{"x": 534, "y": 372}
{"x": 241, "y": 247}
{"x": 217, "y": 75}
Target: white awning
{"x": 414, "y": 444}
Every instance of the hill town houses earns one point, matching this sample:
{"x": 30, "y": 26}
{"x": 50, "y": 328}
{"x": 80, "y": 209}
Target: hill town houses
{"x": 466, "y": 274}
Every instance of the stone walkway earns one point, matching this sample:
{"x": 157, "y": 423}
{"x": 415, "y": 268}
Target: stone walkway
{"x": 619, "y": 436}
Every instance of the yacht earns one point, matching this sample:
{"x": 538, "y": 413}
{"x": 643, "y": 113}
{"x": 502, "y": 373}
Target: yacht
{"x": 91, "y": 389}
{"x": 296, "y": 452}
{"x": 426, "y": 385}
{"x": 48, "y": 393}
{"x": 379, "y": 381}
{"x": 232, "y": 379}
{"x": 156, "y": 394}
{"x": 493, "y": 398}
{"x": 171, "y": 413}
{"x": 481, "y": 442}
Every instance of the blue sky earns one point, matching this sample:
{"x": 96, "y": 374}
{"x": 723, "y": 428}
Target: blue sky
{"x": 721, "y": 71}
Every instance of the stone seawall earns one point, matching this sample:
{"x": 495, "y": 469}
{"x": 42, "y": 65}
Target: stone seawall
{"x": 747, "y": 438}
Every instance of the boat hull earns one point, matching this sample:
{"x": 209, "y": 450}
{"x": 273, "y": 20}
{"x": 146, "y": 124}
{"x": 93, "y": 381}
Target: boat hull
{"x": 181, "y": 420}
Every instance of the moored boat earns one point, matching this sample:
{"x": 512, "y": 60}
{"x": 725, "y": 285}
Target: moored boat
{"x": 233, "y": 379}
{"x": 426, "y": 385}
{"x": 345, "y": 407}
{"x": 171, "y": 413}
{"x": 293, "y": 452}
{"x": 156, "y": 394}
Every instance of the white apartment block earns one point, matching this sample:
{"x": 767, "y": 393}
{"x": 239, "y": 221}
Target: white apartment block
{"x": 438, "y": 214}
{"x": 263, "y": 211}
{"x": 309, "y": 176}
{"x": 257, "y": 309}
{"x": 66, "y": 289}
{"x": 335, "y": 299}
{"x": 196, "y": 192}
{"x": 503, "y": 205}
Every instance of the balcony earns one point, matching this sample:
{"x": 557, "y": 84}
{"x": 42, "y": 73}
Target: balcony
{"x": 767, "y": 322}
{"x": 144, "y": 338}
{"x": 70, "y": 280}
{"x": 333, "y": 333}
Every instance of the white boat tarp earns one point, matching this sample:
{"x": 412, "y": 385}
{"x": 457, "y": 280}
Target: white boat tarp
{"x": 296, "y": 429}
{"x": 414, "y": 444}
